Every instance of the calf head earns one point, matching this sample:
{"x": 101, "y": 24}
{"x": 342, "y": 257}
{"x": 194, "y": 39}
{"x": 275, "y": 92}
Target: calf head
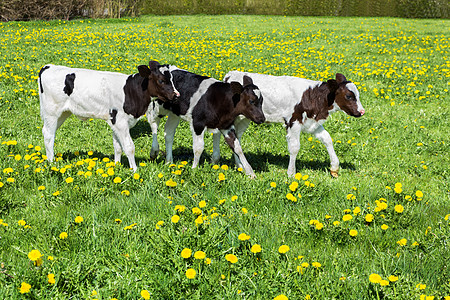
{"x": 347, "y": 96}
{"x": 159, "y": 81}
{"x": 250, "y": 100}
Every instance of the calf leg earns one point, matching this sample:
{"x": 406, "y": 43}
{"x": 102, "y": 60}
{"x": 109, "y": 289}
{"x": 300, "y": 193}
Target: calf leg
{"x": 198, "y": 144}
{"x": 240, "y": 127}
{"x": 117, "y": 148}
{"x": 154, "y": 124}
{"x": 232, "y": 141}
{"x": 216, "y": 148}
{"x": 121, "y": 131}
{"x": 322, "y": 135}
{"x": 51, "y": 124}
{"x": 293, "y": 142}
{"x": 169, "y": 135}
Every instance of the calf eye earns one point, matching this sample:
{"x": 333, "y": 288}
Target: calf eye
{"x": 348, "y": 97}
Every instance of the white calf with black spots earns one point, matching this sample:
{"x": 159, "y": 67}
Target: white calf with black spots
{"x": 117, "y": 98}
{"x": 301, "y": 105}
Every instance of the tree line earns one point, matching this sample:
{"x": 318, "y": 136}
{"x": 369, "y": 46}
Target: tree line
{"x": 11, "y": 10}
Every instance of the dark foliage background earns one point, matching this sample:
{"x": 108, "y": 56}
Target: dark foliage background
{"x": 11, "y": 10}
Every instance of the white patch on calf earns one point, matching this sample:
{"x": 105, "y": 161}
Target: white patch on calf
{"x": 257, "y": 93}
{"x": 352, "y": 88}
{"x": 203, "y": 87}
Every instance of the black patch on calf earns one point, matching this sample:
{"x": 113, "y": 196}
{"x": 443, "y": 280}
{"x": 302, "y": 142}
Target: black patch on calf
{"x": 113, "y": 114}
{"x": 136, "y": 98}
{"x": 214, "y": 109}
{"x": 144, "y": 84}
{"x": 187, "y": 84}
{"x": 69, "y": 84}
{"x": 315, "y": 102}
{"x": 40, "y": 74}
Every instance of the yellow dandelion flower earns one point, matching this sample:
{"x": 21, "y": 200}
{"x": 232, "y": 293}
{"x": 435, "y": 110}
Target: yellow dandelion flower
{"x": 117, "y": 180}
{"x": 136, "y": 176}
{"x": 398, "y": 208}
{"x": 145, "y": 294}
{"x": 351, "y": 197}
{"x": 244, "y": 210}
{"x": 256, "y": 248}
{"x": 283, "y": 249}
{"x": 375, "y": 278}
{"x": 175, "y": 219}
{"x": 171, "y": 183}
{"x": 393, "y": 278}
{"x": 186, "y": 253}
{"x": 402, "y": 242}
{"x": 243, "y": 237}
{"x": 196, "y": 211}
{"x": 353, "y": 232}
{"x": 190, "y": 273}
{"x": 63, "y": 235}
{"x": 291, "y": 197}
{"x": 368, "y": 218}
{"x": 293, "y": 186}
{"x": 221, "y": 177}
{"x": 273, "y": 184}
{"x": 419, "y": 194}
{"x": 319, "y": 226}
{"x": 34, "y": 255}
{"x": 384, "y": 227}
{"x": 384, "y": 282}
{"x": 25, "y": 288}
{"x": 180, "y": 208}
{"x": 231, "y": 258}
{"x": 281, "y": 297}
{"x": 79, "y": 219}
{"x": 51, "y": 278}
{"x": 316, "y": 264}
{"x": 22, "y": 222}
{"x": 202, "y": 204}
{"x": 199, "y": 255}
{"x": 347, "y": 218}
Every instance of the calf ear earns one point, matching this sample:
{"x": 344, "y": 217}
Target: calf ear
{"x": 236, "y": 87}
{"x": 340, "y": 78}
{"x": 154, "y": 65}
{"x": 247, "y": 80}
{"x": 144, "y": 71}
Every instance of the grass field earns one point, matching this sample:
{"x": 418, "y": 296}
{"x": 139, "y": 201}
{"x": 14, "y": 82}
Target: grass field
{"x": 379, "y": 231}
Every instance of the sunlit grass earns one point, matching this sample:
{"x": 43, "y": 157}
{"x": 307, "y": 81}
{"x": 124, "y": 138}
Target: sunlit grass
{"x": 378, "y": 231}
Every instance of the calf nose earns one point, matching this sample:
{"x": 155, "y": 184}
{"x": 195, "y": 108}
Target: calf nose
{"x": 362, "y": 112}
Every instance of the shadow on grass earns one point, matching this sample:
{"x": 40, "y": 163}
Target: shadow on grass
{"x": 260, "y": 162}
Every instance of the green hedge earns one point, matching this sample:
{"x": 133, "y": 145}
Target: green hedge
{"x": 12, "y": 10}
{"x": 372, "y": 8}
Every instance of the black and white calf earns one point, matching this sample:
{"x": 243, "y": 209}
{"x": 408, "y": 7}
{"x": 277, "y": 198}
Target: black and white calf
{"x": 302, "y": 105}
{"x": 117, "y": 98}
{"x": 207, "y": 103}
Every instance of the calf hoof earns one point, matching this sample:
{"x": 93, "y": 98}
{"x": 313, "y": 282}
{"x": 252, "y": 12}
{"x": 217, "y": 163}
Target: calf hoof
{"x": 334, "y": 173}
{"x": 154, "y": 155}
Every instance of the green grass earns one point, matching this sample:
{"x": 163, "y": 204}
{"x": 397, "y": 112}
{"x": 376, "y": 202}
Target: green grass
{"x": 402, "y": 70}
